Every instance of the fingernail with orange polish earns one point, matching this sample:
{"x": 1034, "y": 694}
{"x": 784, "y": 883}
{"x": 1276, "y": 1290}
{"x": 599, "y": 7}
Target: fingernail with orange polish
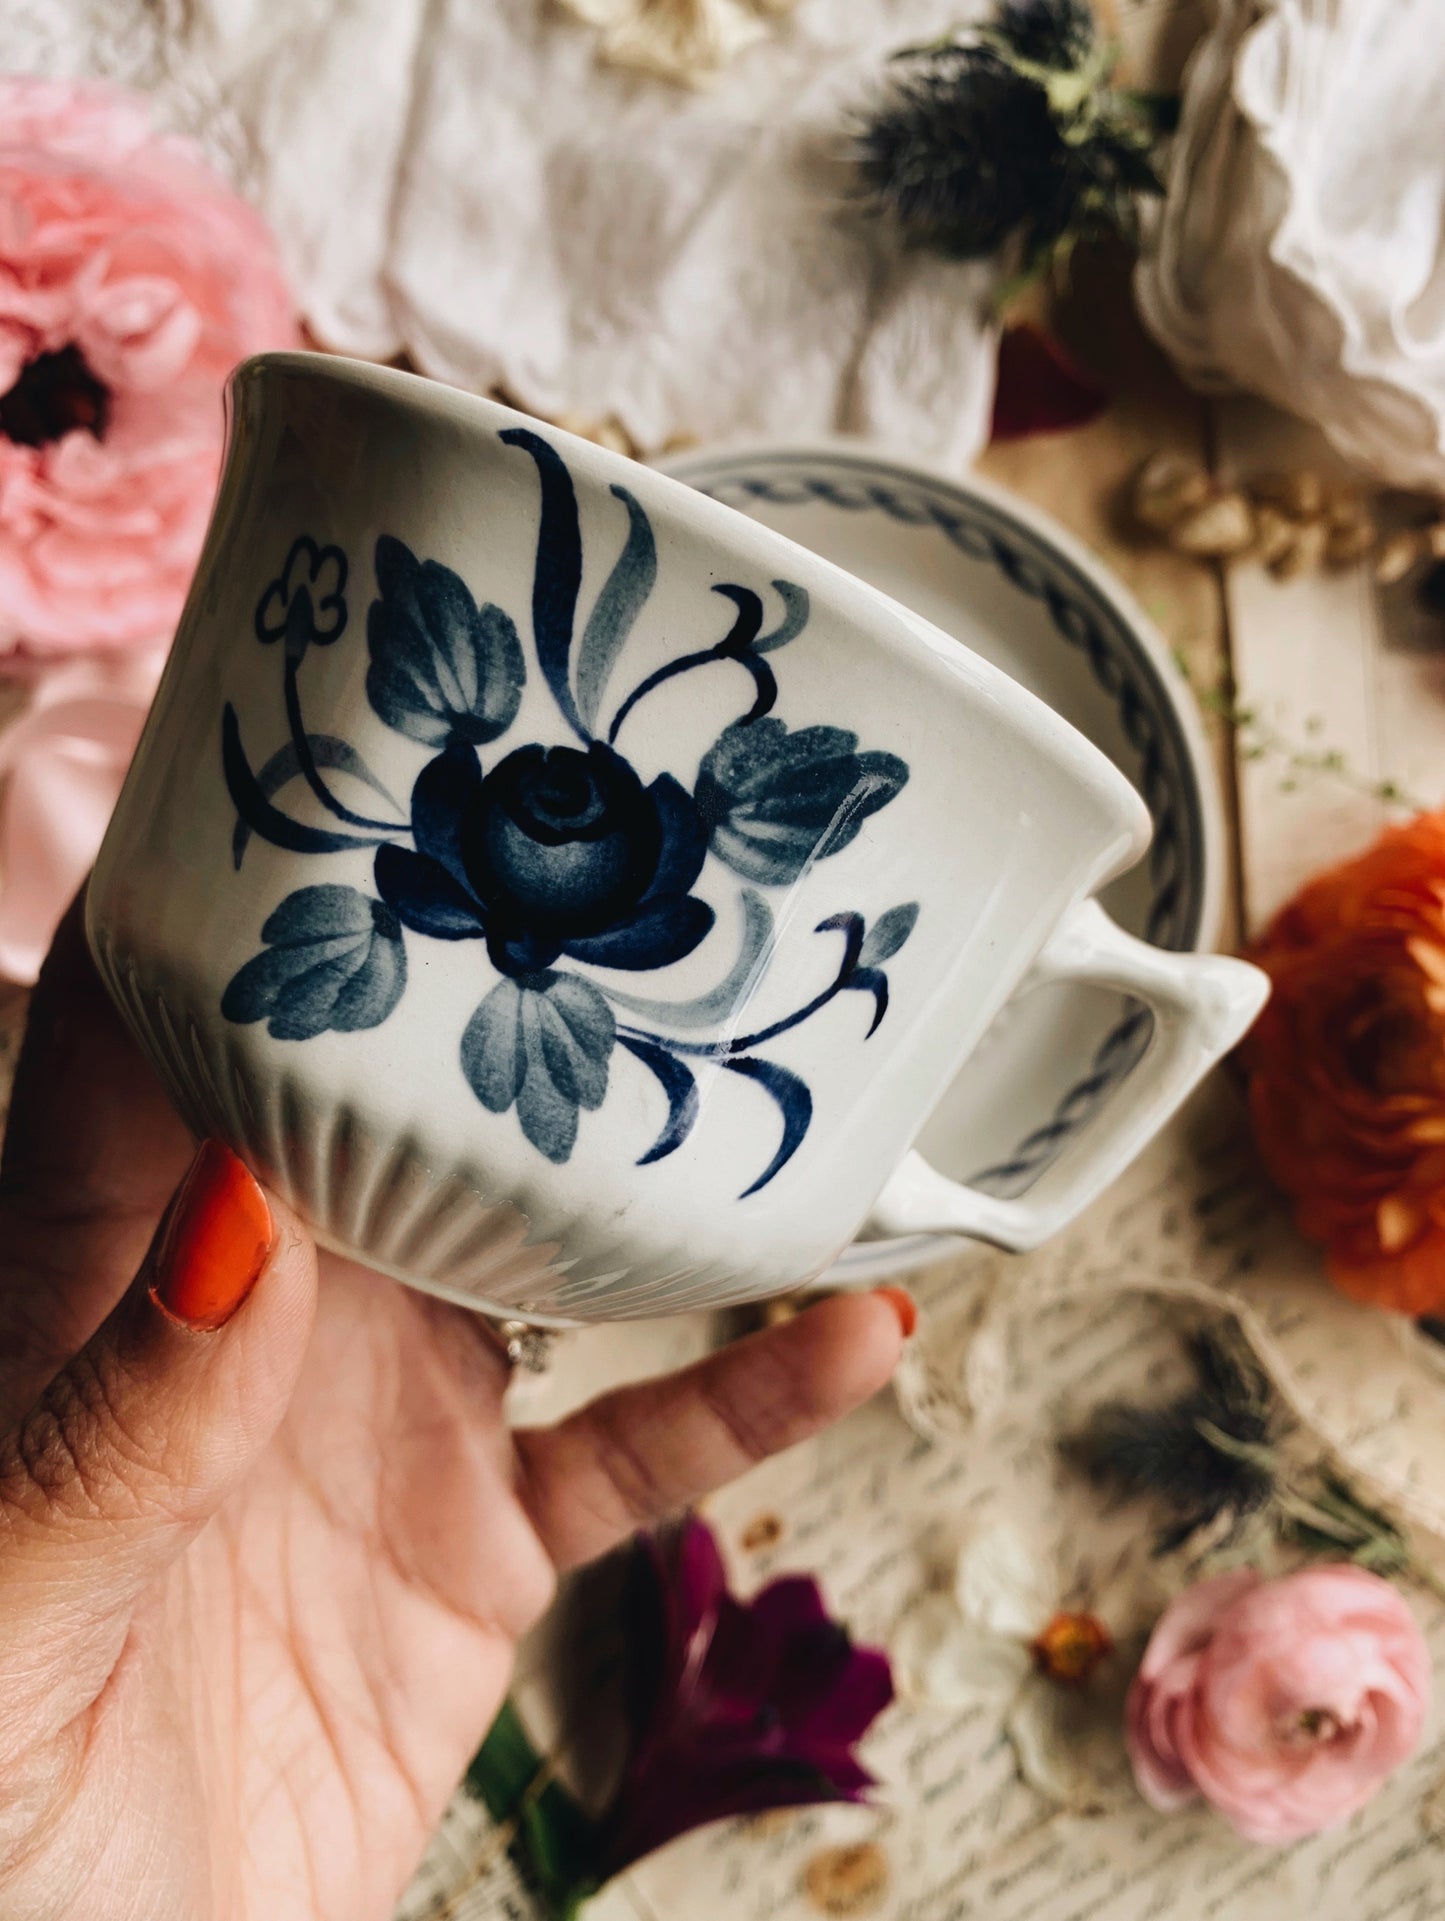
{"x": 902, "y": 1305}
{"x": 213, "y": 1242}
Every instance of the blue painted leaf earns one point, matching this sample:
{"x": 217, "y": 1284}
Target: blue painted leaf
{"x": 285, "y": 765}
{"x": 558, "y": 575}
{"x": 548, "y": 1118}
{"x": 618, "y": 605}
{"x": 544, "y": 1046}
{"x": 261, "y": 816}
{"x": 442, "y": 668}
{"x": 796, "y": 608}
{"x": 494, "y": 1059}
{"x": 424, "y": 896}
{"x": 777, "y": 801}
{"x": 795, "y": 1103}
{"x": 575, "y": 1033}
{"x": 735, "y": 988}
{"x": 677, "y": 1083}
{"x": 887, "y": 934}
{"x": 333, "y": 960}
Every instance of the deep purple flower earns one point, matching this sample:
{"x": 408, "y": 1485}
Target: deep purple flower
{"x": 736, "y": 1706}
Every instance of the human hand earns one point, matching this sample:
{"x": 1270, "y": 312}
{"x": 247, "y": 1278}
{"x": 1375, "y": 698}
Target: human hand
{"x": 261, "y": 1582}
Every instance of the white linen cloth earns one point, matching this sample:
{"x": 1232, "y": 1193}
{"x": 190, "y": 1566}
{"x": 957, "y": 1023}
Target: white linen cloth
{"x": 1301, "y": 250}
{"x": 466, "y": 182}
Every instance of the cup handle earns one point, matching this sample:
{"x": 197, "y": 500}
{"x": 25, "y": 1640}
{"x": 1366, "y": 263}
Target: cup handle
{"x": 1201, "y": 1003}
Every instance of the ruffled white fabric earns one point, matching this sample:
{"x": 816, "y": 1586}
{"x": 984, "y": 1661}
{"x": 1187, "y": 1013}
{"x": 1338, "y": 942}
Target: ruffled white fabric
{"x": 472, "y": 185}
{"x": 1301, "y": 250}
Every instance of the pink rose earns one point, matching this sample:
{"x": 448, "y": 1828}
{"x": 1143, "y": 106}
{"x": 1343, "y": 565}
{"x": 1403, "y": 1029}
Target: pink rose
{"x": 131, "y": 281}
{"x": 61, "y": 766}
{"x": 1285, "y": 1704}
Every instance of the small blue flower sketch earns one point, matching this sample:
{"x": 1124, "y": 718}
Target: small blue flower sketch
{"x": 554, "y": 858}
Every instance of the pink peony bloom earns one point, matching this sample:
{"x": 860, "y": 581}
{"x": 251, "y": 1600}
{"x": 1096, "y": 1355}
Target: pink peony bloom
{"x": 1285, "y": 1704}
{"x": 61, "y": 765}
{"x": 132, "y": 279}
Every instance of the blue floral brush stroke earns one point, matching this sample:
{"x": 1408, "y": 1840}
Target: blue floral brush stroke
{"x": 541, "y": 1045}
{"x": 734, "y": 990}
{"x": 306, "y": 603}
{"x": 618, "y": 605}
{"x": 794, "y": 1102}
{"x": 887, "y": 934}
{"x": 333, "y": 960}
{"x": 285, "y": 765}
{"x": 557, "y": 577}
{"x": 775, "y": 801}
{"x": 555, "y": 852}
{"x": 442, "y": 668}
{"x": 679, "y": 1085}
{"x": 555, "y": 858}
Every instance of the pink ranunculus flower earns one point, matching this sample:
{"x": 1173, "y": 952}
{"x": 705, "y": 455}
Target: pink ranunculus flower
{"x": 61, "y": 766}
{"x": 132, "y": 279}
{"x": 1285, "y": 1704}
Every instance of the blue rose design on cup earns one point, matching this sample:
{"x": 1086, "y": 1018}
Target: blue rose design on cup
{"x": 553, "y": 857}
{"x": 555, "y": 852}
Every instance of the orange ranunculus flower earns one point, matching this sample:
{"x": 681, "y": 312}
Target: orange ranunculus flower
{"x": 1346, "y": 1066}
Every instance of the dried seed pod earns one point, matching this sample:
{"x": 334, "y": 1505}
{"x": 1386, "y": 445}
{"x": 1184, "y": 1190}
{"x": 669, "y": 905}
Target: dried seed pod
{"x": 1222, "y": 528}
{"x": 763, "y": 1531}
{"x": 1305, "y": 553}
{"x": 611, "y": 433}
{"x": 1398, "y": 555}
{"x": 1344, "y": 504}
{"x": 1166, "y": 487}
{"x": 607, "y": 432}
{"x": 1348, "y": 541}
{"x": 847, "y": 1880}
{"x": 1301, "y": 495}
{"x": 1274, "y": 534}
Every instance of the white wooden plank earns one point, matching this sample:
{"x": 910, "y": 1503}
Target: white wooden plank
{"x": 1331, "y": 667}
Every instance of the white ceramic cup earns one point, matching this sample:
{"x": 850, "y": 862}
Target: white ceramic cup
{"x": 573, "y": 897}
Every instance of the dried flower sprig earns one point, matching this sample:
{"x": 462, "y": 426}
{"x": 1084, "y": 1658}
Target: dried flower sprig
{"x": 1333, "y": 1518}
{"x": 1257, "y": 739}
{"x": 1208, "y": 1454}
{"x": 1012, "y": 136}
{"x": 1214, "y": 1455}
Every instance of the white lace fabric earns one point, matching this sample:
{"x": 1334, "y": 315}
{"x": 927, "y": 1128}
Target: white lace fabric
{"x": 1300, "y": 253}
{"x": 473, "y": 186}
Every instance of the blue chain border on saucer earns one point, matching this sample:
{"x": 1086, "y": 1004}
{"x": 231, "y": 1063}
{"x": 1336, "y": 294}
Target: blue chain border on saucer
{"x": 1120, "y": 669}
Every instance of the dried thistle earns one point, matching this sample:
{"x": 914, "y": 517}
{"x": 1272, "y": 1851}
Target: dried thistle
{"x": 1011, "y": 136}
{"x": 1208, "y": 1454}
